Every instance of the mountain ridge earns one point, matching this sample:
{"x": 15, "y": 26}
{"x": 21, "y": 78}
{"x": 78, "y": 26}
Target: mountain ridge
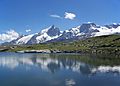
{"x": 52, "y": 33}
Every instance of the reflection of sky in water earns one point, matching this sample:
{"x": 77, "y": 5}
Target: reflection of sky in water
{"x": 53, "y": 70}
{"x": 46, "y": 63}
{"x": 70, "y": 82}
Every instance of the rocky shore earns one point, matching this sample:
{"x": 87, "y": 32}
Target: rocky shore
{"x": 45, "y": 51}
{"x": 34, "y": 51}
{"x": 92, "y": 51}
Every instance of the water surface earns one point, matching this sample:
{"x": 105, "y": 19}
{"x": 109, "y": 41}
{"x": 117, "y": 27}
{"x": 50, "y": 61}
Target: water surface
{"x": 59, "y": 70}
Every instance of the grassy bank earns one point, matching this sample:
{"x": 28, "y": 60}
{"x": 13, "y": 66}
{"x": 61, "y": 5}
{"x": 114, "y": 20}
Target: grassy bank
{"x": 101, "y": 44}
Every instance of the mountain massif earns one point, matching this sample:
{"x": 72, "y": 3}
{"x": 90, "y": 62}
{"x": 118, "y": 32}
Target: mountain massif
{"x": 52, "y": 34}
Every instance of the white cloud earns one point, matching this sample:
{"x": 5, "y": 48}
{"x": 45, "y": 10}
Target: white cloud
{"x": 55, "y": 16}
{"x": 70, "y": 16}
{"x": 28, "y": 30}
{"x": 8, "y": 36}
{"x": 67, "y": 15}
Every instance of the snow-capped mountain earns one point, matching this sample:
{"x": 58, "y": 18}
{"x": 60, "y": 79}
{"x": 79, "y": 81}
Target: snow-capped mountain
{"x": 24, "y": 39}
{"x": 53, "y": 33}
{"x": 47, "y": 34}
{"x": 77, "y": 32}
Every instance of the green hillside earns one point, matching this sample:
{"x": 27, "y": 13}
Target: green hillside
{"x": 101, "y": 44}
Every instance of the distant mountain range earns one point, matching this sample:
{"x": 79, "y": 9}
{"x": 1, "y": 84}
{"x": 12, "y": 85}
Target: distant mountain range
{"x": 52, "y": 34}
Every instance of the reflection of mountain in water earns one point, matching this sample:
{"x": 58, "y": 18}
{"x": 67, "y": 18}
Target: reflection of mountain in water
{"x": 48, "y": 62}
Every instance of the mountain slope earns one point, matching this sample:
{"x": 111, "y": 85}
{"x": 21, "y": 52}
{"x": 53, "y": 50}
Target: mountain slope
{"x": 47, "y": 34}
{"x": 53, "y": 34}
{"x": 100, "y": 44}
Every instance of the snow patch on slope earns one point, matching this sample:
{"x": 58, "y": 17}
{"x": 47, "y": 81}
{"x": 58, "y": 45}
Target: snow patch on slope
{"x": 45, "y": 37}
{"x": 75, "y": 31}
{"x": 24, "y": 39}
{"x": 107, "y": 31}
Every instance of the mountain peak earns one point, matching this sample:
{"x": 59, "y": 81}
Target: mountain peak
{"x": 114, "y": 25}
{"x": 46, "y": 30}
{"x": 53, "y": 31}
{"x": 52, "y": 26}
{"x": 87, "y": 27}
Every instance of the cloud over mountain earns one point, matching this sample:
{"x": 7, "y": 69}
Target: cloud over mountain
{"x": 70, "y": 16}
{"x": 28, "y": 30}
{"x": 66, "y": 15}
{"x": 55, "y": 16}
{"x": 8, "y": 36}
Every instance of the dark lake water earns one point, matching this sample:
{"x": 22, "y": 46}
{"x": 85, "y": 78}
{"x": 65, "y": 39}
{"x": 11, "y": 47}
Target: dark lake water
{"x": 59, "y": 70}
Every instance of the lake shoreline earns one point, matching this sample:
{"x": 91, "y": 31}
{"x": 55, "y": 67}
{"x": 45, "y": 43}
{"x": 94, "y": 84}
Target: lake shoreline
{"x": 109, "y": 44}
{"x": 65, "y": 51}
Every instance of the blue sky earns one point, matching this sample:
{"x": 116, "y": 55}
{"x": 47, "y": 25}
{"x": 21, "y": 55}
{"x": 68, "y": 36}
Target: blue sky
{"x": 37, "y": 14}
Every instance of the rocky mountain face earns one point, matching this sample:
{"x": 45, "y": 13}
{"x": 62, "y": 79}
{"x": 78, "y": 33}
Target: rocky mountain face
{"x": 53, "y": 33}
{"x": 45, "y": 35}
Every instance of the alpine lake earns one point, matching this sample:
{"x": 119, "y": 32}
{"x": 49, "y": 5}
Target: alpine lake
{"x": 36, "y": 69}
